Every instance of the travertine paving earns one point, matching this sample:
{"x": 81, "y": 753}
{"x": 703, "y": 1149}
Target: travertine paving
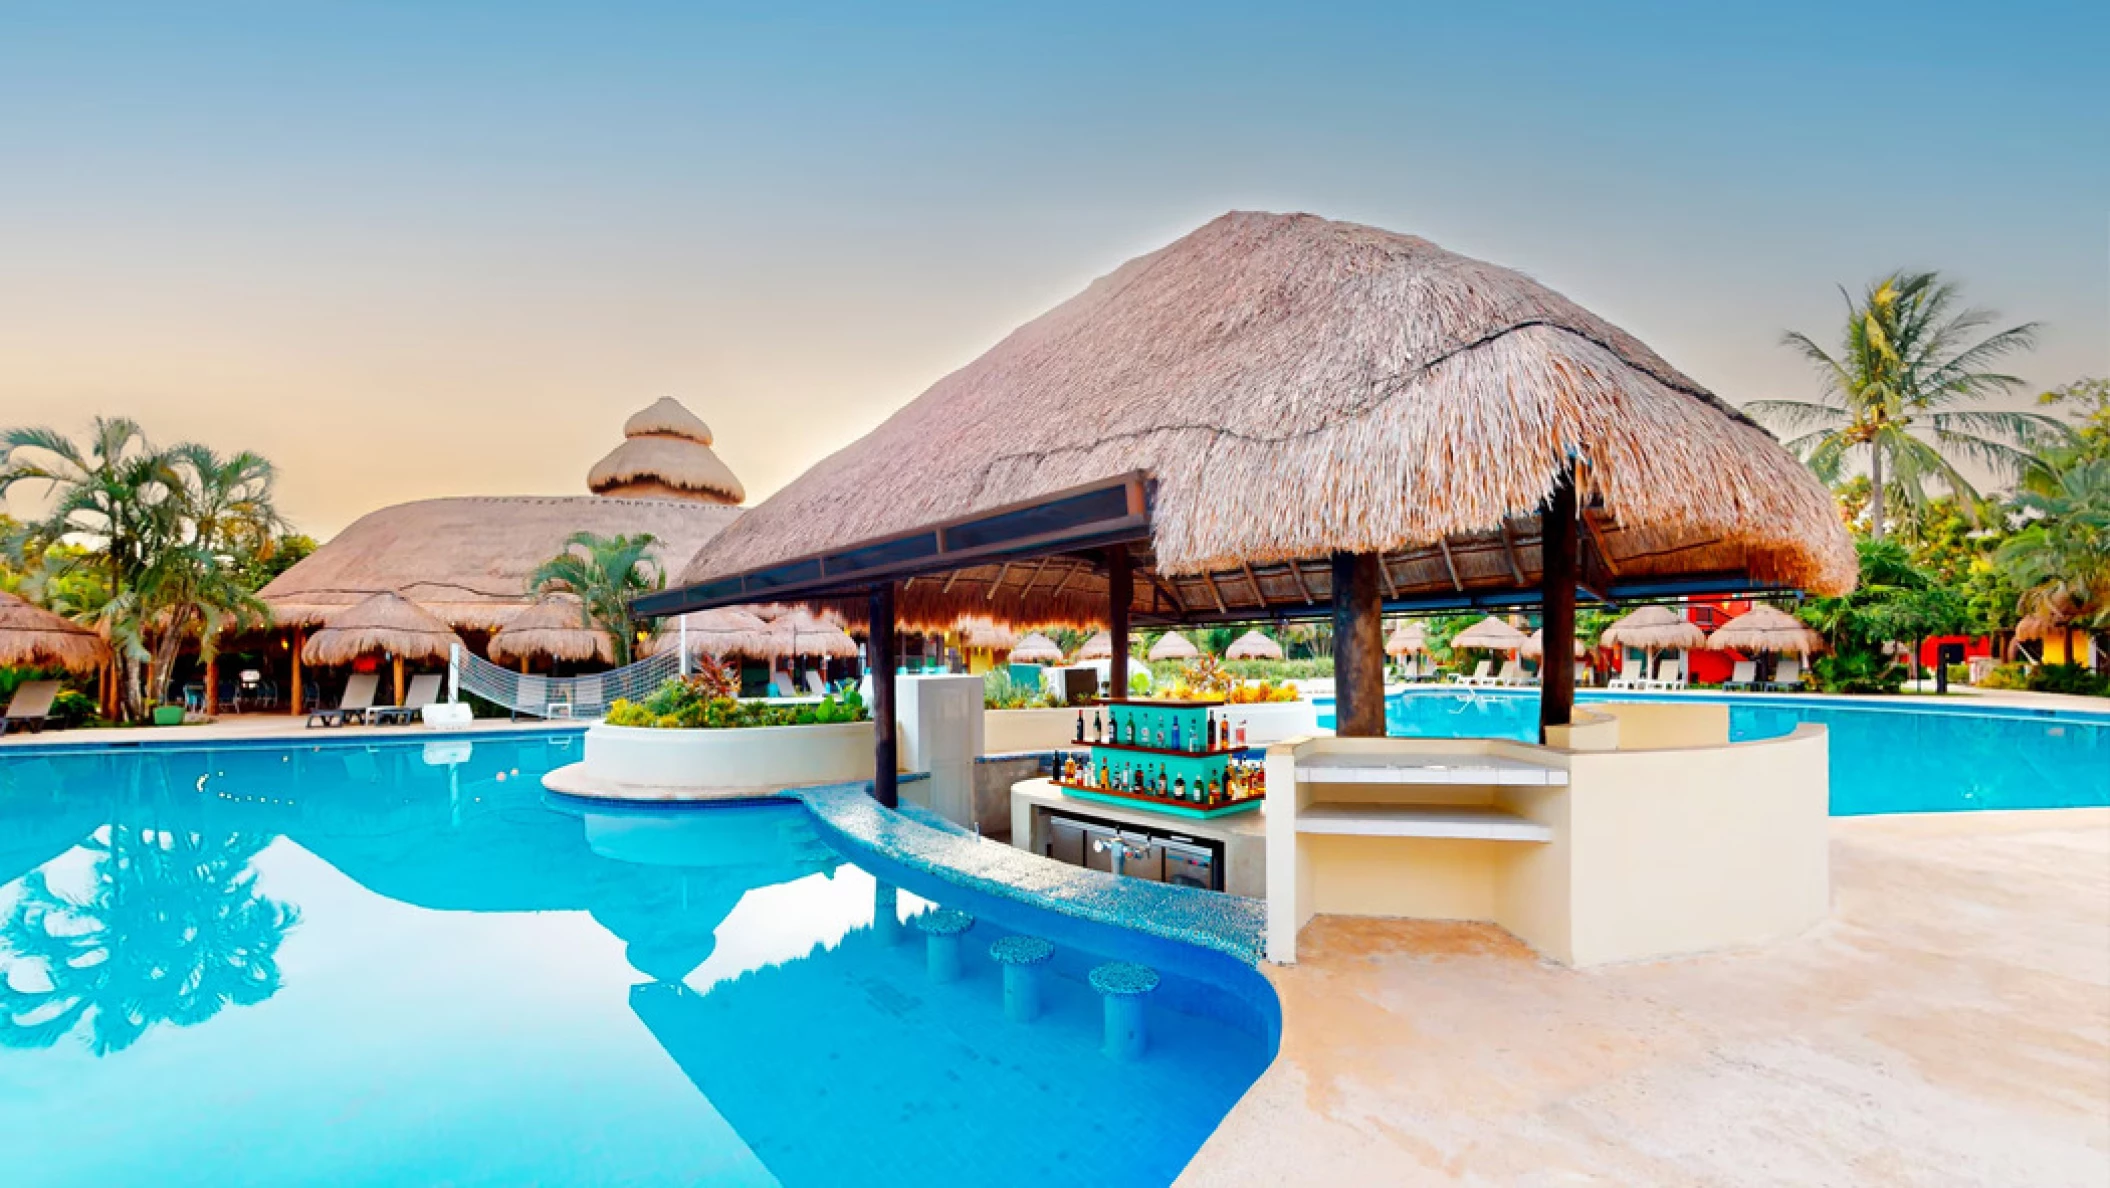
{"x": 1950, "y": 1024}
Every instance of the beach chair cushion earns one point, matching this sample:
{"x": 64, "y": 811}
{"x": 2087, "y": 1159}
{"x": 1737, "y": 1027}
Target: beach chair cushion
{"x": 30, "y": 706}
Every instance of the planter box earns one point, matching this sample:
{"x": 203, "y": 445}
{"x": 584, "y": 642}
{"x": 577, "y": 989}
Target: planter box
{"x": 765, "y": 758}
{"x": 1007, "y": 731}
{"x": 168, "y": 715}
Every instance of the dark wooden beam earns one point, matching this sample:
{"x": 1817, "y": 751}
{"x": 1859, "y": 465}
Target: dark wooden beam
{"x": 1120, "y": 590}
{"x": 1296, "y": 573}
{"x": 1557, "y": 553}
{"x": 879, "y": 661}
{"x": 994, "y": 586}
{"x": 1450, "y": 567}
{"x": 1215, "y": 594}
{"x": 1358, "y": 647}
{"x": 1259, "y": 595}
{"x": 1509, "y": 550}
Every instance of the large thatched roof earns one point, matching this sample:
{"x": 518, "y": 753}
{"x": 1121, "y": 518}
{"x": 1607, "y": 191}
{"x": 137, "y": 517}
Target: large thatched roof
{"x": 467, "y": 560}
{"x": 32, "y": 637}
{"x": 554, "y": 628}
{"x": 666, "y": 454}
{"x": 384, "y": 624}
{"x": 1653, "y": 628}
{"x": 1288, "y": 387}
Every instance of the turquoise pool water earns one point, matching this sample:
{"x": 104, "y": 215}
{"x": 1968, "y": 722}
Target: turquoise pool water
{"x": 1884, "y": 759}
{"x": 402, "y": 964}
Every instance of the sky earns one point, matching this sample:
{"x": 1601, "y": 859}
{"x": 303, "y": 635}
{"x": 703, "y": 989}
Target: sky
{"x": 409, "y": 250}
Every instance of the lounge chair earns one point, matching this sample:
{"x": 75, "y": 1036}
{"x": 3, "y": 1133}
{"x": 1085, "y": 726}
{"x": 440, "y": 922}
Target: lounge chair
{"x": 1477, "y": 677}
{"x": 1512, "y": 674}
{"x": 1787, "y": 675}
{"x": 355, "y": 705}
{"x": 1670, "y": 674}
{"x": 424, "y": 690}
{"x": 780, "y": 685}
{"x": 30, "y": 707}
{"x": 588, "y": 700}
{"x": 815, "y": 683}
{"x": 1745, "y": 676}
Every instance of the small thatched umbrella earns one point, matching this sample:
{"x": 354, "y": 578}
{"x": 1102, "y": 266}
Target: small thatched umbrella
{"x": 801, "y": 633}
{"x": 381, "y": 624}
{"x": 1036, "y": 649}
{"x": 1407, "y": 640}
{"x": 1489, "y": 634}
{"x": 986, "y": 635}
{"x": 1099, "y": 647}
{"x": 1173, "y": 646}
{"x": 554, "y": 629}
{"x": 32, "y": 637}
{"x": 726, "y": 632}
{"x": 1534, "y": 646}
{"x": 1766, "y": 629}
{"x": 1652, "y": 628}
{"x": 1253, "y": 646}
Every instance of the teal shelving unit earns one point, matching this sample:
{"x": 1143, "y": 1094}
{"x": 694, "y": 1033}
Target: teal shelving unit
{"x": 1145, "y": 739}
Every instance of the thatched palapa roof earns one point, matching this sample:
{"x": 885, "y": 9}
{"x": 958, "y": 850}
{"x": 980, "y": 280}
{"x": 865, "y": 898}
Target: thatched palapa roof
{"x": 666, "y": 454}
{"x": 1174, "y": 646}
{"x": 1099, "y": 647}
{"x": 803, "y": 634}
{"x": 1653, "y": 628}
{"x": 1534, "y": 646}
{"x": 32, "y": 637}
{"x": 384, "y": 624}
{"x": 1489, "y": 634}
{"x": 728, "y": 632}
{"x": 1290, "y": 387}
{"x": 987, "y": 634}
{"x": 1036, "y": 649}
{"x": 1253, "y": 646}
{"x": 555, "y": 628}
{"x": 1766, "y": 629}
{"x": 1409, "y": 639}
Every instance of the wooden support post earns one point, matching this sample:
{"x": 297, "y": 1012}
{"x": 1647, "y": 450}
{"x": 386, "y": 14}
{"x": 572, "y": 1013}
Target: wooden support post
{"x": 299, "y": 641}
{"x": 1358, "y": 647}
{"x": 212, "y": 685}
{"x": 879, "y": 661}
{"x": 399, "y": 680}
{"x": 1120, "y": 591}
{"x": 1557, "y": 568}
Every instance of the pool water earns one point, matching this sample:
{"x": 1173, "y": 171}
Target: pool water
{"x": 404, "y": 964}
{"x": 1884, "y": 759}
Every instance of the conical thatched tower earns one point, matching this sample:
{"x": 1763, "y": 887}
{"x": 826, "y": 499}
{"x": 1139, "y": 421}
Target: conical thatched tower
{"x": 666, "y": 454}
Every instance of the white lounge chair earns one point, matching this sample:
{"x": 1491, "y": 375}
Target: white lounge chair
{"x": 30, "y": 707}
{"x": 1512, "y": 674}
{"x": 355, "y": 705}
{"x": 1627, "y": 680}
{"x": 424, "y": 690}
{"x": 1477, "y": 677}
{"x": 1670, "y": 674}
{"x": 780, "y": 685}
{"x": 1745, "y": 676}
{"x": 588, "y": 698}
{"x": 1786, "y": 675}
{"x": 815, "y": 684}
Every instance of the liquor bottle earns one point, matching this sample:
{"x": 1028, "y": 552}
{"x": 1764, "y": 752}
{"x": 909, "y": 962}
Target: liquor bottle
{"x": 1098, "y": 728}
{"x": 1106, "y": 779}
{"x": 1080, "y": 727}
{"x": 1161, "y": 735}
{"x": 1216, "y": 790}
{"x": 1212, "y": 729}
{"x": 1131, "y": 739}
{"x": 1241, "y": 732}
{"x": 1164, "y": 787}
{"x": 1113, "y": 727}
{"x": 1179, "y": 788}
{"x": 1175, "y": 734}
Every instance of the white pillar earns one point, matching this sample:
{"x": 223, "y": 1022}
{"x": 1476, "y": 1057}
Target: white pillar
{"x": 682, "y": 625}
{"x": 454, "y": 673}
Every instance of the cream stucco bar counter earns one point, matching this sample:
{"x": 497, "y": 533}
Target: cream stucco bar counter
{"x": 1643, "y": 833}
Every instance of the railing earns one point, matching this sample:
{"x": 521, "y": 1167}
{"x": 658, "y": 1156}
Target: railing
{"x": 541, "y": 696}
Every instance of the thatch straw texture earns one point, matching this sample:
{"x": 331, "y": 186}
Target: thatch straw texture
{"x": 555, "y": 628}
{"x": 986, "y": 634}
{"x": 1534, "y": 646}
{"x": 666, "y": 454}
{"x": 1653, "y": 628}
{"x": 1766, "y": 629}
{"x": 1407, "y": 640}
{"x": 1489, "y": 634}
{"x": 668, "y": 417}
{"x": 384, "y": 624}
{"x": 1099, "y": 647}
{"x": 467, "y": 560}
{"x": 1295, "y": 386}
{"x": 728, "y": 632}
{"x": 32, "y": 637}
{"x": 1253, "y": 646}
{"x": 811, "y": 636}
{"x": 1173, "y": 646}
{"x": 2035, "y": 627}
{"x": 1036, "y": 649}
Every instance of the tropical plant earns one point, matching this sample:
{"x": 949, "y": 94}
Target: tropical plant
{"x": 605, "y": 572}
{"x": 2060, "y": 558}
{"x": 689, "y": 705}
{"x": 1895, "y": 603}
{"x": 1903, "y": 394}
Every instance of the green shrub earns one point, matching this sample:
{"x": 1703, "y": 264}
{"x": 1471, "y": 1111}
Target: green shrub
{"x": 690, "y": 705}
{"x": 1858, "y": 672}
{"x": 999, "y": 692}
{"x": 2006, "y": 676}
{"x": 2068, "y": 678}
{"x": 1280, "y": 670}
{"x": 1959, "y": 674}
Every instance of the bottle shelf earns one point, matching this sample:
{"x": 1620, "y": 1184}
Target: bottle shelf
{"x": 1184, "y": 808}
{"x": 1139, "y": 749}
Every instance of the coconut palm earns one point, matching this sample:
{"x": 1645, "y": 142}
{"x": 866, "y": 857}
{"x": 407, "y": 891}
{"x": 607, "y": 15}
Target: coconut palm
{"x": 195, "y": 583}
{"x": 605, "y": 572}
{"x": 1903, "y": 396}
{"x": 2060, "y": 559}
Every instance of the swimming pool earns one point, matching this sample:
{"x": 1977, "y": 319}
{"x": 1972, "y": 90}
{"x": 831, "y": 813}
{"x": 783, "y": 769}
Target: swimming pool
{"x": 404, "y": 964}
{"x": 1885, "y": 758}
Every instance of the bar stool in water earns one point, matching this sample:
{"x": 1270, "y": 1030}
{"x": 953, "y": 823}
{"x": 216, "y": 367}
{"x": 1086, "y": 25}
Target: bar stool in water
{"x": 1123, "y": 986}
{"x": 1022, "y": 958}
{"x": 942, "y": 930}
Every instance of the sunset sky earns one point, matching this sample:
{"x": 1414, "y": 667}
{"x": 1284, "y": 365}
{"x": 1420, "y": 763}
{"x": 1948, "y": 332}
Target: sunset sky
{"x": 420, "y": 249}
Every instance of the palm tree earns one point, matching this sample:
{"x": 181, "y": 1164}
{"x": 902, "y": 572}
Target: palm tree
{"x": 605, "y": 572}
{"x": 2060, "y": 558}
{"x": 1905, "y": 388}
{"x": 196, "y": 583}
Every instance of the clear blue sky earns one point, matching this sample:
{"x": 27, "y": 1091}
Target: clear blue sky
{"x": 464, "y": 240}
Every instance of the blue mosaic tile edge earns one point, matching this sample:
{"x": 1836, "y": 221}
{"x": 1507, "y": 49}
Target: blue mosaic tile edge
{"x": 1230, "y": 924}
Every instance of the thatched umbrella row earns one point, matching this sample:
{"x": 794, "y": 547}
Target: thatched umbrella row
{"x": 32, "y": 637}
{"x": 1036, "y": 649}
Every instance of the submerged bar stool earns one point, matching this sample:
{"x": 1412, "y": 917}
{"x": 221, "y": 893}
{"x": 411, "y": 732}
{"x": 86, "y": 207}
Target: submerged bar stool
{"x": 886, "y": 917}
{"x": 1122, "y": 986}
{"x": 1022, "y": 958}
{"x": 942, "y": 930}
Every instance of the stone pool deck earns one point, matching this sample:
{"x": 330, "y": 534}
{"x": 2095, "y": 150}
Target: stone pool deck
{"x": 1950, "y": 1024}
